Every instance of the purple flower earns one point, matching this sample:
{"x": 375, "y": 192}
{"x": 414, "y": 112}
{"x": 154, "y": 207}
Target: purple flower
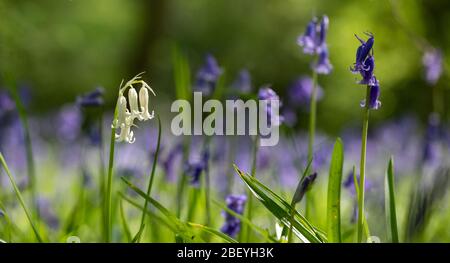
{"x": 207, "y": 76}
{"x": 7, "y": 107}
{"x": 243, "y": 82}
{"x": 232, "y": 224}
{"x": 362, "y": 53}
{"x": 365, "y": 65}
{"x": 367, "y": 73}
{"x": 313, "y": 40}
{"x": 432, "y": 60}
{"x": 169, "y": 163}
{"x": 374, "y": 95}
{"x": 323, "y": 65}
{"x": 69, "y": 122}
{"x": 195, "y": 168}
{"x": 266, "y": 93}
{"x": 91, "y": 99}
{"x": 300, "y": 91}
{"x": 433, "y": 135}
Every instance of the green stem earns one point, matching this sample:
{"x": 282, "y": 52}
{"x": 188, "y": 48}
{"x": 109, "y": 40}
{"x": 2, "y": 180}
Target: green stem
{"x": 108, "y": 192}
{"x": 150, "y": 183}
{"x": 312, "y": 132}
{"x": 19, "y": 197}
{"x": 249, "y": 194}
{"x": 207, "y": 184}
{"x": 362, "y": 167}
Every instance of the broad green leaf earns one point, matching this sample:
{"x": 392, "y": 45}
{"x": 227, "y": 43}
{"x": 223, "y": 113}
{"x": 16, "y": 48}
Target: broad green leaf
{"x": 391, "y": 214}
{"x": 281, "y": 210}
{"x": 334, "y": 193}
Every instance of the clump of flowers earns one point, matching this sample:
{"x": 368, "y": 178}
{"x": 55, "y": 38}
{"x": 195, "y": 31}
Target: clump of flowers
{"x": 91, "y": 99}
{"x": 232, "y": 225}
{"x": 138, "y": 108}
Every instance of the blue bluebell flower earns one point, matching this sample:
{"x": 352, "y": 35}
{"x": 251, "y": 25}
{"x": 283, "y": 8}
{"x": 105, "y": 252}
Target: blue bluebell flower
{"x": 362, "y": 53}
{"x": 207, "y": 76}
{"x": 170, "y": 162}
{"x": 432, "y": 60}
{"x": 313, "y": 40}
{"x": 91, "y": 99}
{"x": 68, "y": 123}
{"x": 266, "y": 93}
{"x": 195, "y": 168}
{"x": 300, "y": 92}
{"x": 323, "y": 65}
{"x": 374, "y": 95}
{"x": 232, "y": 225}
{"x": 365, "y": 65}
{"x": 243, "y": 82}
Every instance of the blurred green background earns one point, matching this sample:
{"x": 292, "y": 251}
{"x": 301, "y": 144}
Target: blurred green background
{"x": 61, "y": 48}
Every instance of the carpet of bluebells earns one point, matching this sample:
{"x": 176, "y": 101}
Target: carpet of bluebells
{"x": 100, "y": 175}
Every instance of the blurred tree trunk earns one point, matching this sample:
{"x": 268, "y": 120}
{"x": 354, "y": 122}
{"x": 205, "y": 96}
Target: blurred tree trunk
{"x": 152, "y": 26}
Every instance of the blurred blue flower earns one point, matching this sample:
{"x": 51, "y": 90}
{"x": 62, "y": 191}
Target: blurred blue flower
{"x": 195, "y": 168}
{"x": 300, "y": 92}
{"x": 232, "y": 225}
{"x": 266, "y": 93}
{"x": 68, "y": 123}
{"x": 313, "y": 40}
{"x": 323, "y": 65}
{"x": 243, "y": 82}
{"x": 207, "y": 76}
{"x": 91, "y": 99}
{"x": 170, "y": 162}
{"x": 432, "y": 61}
{"x": 47, "y": 213}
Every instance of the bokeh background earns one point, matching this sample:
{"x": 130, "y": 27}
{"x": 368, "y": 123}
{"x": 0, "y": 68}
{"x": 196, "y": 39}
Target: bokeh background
{"x": 59, "y": 49}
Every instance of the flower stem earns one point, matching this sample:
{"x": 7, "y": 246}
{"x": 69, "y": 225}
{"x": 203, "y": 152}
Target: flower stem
{"x": 250, "y": 197}
{"x": 137, "y": 238}
{"x": 108, "y": 189}
{"x": 362, "y": 167}
{"x": 311, "y": 135}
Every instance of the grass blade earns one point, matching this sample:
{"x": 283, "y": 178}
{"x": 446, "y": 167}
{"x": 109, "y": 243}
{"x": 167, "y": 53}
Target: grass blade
{"x": 182, "y": 74}
{"x": 281, "y": 210}
{"x": 137, "y": 238}
{"x": 391, "y": 214}
{"x": 125, "y": 226}
{"x": 19, "y": 197}
{"x": 334, "y": 193}
{"x": 180, "y": 228}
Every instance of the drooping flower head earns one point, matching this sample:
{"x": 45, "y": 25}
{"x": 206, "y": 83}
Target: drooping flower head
{"x": 138, "y": 108}
{"x": 362, "y": 53}
{"x": 268, "y": 94}
{"x": 323, "y": 65}
{"x": 365, "y": 65}
{"x": 91, "y": 99}
{"x": 207, "y": 76}
{"x": 243, "y": 82}
{"x": 232, "y": 225}
{"x": 432, "y": 60}
{"x": 313, "y": 40}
